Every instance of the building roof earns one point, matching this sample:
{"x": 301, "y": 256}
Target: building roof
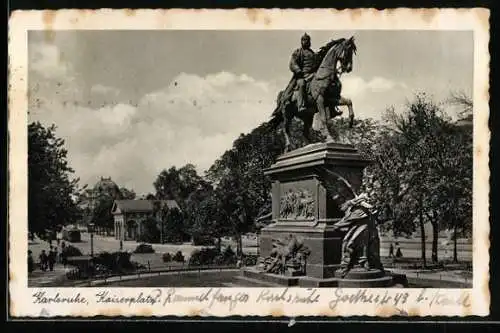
{"x": 129, "y": 206}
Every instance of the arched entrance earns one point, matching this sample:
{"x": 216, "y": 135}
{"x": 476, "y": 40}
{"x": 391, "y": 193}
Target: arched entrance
{"x": 131, "y": 230}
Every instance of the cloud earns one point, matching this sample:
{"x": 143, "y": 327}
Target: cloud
{"x": 218, "y": 103}
{"x": 46, "y": 60}
{"x": 104, "y": 90}
{"x": 192, "y": 120}
{"x": 51, "y": 78}
{"x": 357, "y": 86}
{"x": 372, "y": 97}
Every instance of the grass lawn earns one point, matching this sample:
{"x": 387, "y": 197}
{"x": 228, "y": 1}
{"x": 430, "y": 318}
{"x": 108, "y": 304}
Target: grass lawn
{"x": 154, "y": 261}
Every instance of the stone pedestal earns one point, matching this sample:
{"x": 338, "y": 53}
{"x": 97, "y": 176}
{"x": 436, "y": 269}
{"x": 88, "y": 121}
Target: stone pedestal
{"x": 308, "y": 186}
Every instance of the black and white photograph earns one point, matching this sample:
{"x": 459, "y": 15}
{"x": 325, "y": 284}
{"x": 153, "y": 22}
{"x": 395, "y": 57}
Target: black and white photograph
{"x": 232, "y": 158}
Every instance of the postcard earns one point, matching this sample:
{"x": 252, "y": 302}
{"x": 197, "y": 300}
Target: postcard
{"x": 249, "y": 162}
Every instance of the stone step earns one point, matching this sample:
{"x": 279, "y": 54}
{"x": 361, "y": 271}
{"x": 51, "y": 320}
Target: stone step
{"x": 381, "y": 282}
{"x": 362, "y": 274}
{"x": 254, "y": 282}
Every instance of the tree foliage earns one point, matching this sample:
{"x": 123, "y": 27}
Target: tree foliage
{"x": 126, "y": 194}
{"x": 51, "y": 191}
{"x": 151, "y": 231}
{"x": 171, "y": 224}
{"x": 177, "y": 184}
{"x": 464, "y": 102}
{"x": 422, "y": 171}
{"x": 102, "y": 216}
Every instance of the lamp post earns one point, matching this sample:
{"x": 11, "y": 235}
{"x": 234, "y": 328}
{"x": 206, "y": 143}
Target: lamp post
{"x": 161, "y": 231}
{"x": 91, "y": 231}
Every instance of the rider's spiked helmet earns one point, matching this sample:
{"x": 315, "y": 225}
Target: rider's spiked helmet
{"x": 306, "y": 36}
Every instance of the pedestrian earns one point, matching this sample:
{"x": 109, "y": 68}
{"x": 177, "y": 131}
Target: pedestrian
{"x": 399, "y": 254}
{"x": 56, "y": 254}
{"x": 31, "y": 262}
{"x": 51, "y": 259}
{"x": 43, "y": 260}
{"x": 64, "y": 260}
{"x": 391, "y": 251}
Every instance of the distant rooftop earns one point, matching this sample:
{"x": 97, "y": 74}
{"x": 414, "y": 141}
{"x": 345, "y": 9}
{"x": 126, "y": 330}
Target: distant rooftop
{"x": 129, "y": 206}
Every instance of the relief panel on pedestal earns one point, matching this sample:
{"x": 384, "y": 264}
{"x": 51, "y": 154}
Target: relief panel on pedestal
{"x": 297, "y": 201}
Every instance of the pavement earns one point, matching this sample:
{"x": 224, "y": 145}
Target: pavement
{"x": 48, "y": 278}
{"x": 39, "y": 278}
{"x": 455, "y": 276}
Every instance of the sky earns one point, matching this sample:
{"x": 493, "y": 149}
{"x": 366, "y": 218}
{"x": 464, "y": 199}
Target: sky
{"x": 132, "y": 103}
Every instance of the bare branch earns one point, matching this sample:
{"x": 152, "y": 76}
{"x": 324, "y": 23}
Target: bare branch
{"x": 461, "y": 99}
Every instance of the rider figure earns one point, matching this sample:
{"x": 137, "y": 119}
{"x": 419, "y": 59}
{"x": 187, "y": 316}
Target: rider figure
{"x": 303, "y": 65}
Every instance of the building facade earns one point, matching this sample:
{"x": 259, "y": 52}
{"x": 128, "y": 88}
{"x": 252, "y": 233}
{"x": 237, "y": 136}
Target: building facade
{"x": 130, "y": 215}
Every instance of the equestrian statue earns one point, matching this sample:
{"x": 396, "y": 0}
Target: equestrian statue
{"x": 315, "y": 87}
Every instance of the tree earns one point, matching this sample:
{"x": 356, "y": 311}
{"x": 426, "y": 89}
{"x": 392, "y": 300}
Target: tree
{"x": 83, "y": 200}
{"x": 236, "y": 206}
{"x": 184, "y": 186}
{"x": 421, "y": 170}
{"x": 173, "y": 226}
{"x": 463, "y": 101}
{"x": 240, "y": 184}
{"x": 151, "y": 231}
{"x": 363, "y": 135}
{"x": 126, "y": 194}
{"x": 385, "y": 183}
{"x": 51, "y": 192}
{"x": 421, "y": 128}
{"x": 203, "y": 221}
{"x": 209, "y": 222}
{"x": 150, "y": 196}
{"x": 459, "y": 212}
{"x": 177, "y": 184}
{"x": 102, "y": 216}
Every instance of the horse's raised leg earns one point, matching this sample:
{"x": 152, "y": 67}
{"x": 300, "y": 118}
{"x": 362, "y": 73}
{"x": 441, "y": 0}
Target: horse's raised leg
{"x": 347, "y": 102}
{"x": 323, "y": 115}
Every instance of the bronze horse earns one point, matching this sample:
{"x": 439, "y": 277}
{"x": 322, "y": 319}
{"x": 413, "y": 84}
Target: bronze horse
{"x": 323, "y": 92}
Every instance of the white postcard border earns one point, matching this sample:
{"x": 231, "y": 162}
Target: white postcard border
{"x": 21, "y": 298}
